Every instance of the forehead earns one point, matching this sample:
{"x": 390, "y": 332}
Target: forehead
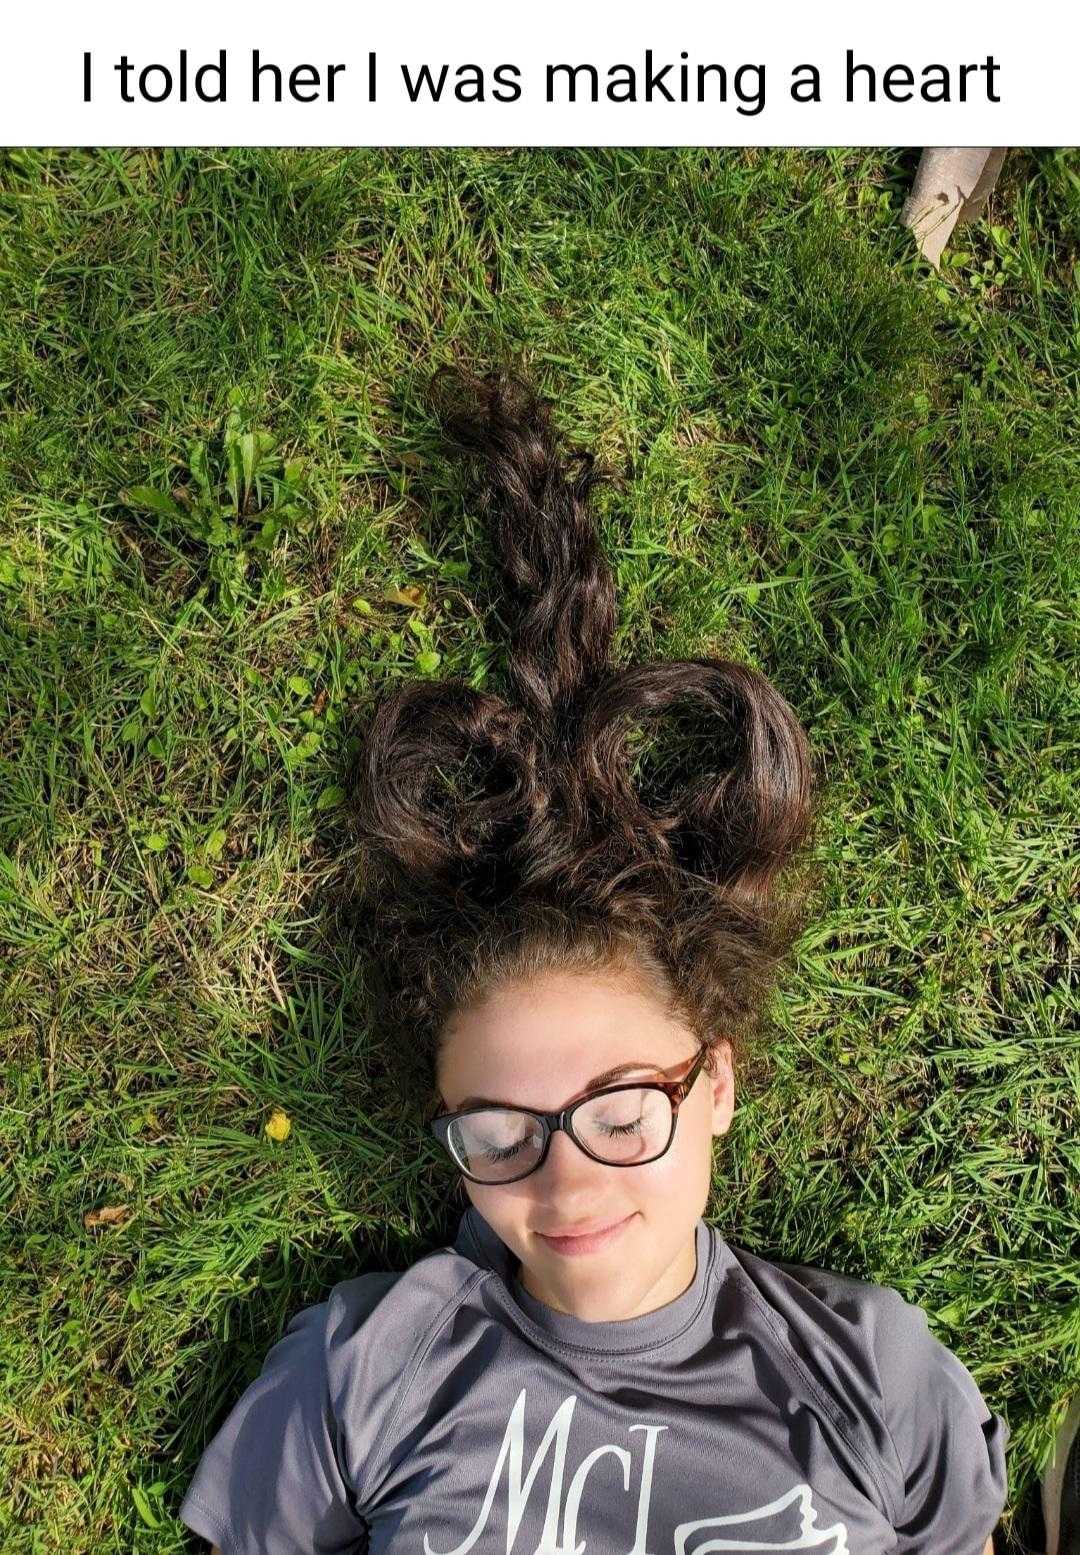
{"x": 543, "y": 1043}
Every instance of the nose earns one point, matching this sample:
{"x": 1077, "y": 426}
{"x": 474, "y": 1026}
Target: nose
{"x": 567, "y": 1163}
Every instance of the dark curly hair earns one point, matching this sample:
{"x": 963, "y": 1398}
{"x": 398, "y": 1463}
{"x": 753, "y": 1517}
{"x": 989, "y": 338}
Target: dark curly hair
{"x": 503, "y": 836}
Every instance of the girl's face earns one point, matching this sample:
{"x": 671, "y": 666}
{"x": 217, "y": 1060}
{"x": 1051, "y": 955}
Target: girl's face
{"x": 539, "y": 1045}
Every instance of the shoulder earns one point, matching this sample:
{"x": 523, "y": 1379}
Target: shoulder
{"x": 814, "y": 1305}
{"x": 378, "y": 1330}
{"x": 305, "y": 1446}
{"x": 892, "y": 1333}
{"x": 856, "y": 1334}
{"x": 395, "y": 1308}
{"x": 829, "y": 1331}
{"x": 891, "y": 1383}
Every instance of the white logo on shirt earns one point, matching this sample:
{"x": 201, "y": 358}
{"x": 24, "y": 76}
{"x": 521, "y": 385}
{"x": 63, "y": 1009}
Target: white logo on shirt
{"x": 772, "y": 1531}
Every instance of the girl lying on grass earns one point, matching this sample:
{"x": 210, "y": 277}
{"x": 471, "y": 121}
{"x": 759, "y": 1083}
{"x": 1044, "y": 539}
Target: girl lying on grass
{"x": 587, "y": 953}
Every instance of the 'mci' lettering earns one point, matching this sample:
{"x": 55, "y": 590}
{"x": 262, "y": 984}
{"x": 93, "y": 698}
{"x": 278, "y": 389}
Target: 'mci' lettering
{"x": 511, "y": 1453}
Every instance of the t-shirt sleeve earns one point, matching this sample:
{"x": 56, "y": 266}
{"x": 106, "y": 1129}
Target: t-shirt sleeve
{"x": 951, "y": 1485}
{"x": 271, "y": 1482}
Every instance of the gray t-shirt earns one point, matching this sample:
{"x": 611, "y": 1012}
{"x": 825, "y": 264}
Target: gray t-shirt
{"x": 772, "y": 1406}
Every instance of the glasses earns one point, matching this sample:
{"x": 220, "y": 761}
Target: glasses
{"x": 622, "y": 1125}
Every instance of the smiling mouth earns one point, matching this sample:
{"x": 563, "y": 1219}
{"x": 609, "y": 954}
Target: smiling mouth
{"x": 604, "y": 1225}
{"x": 589, "y": 1241}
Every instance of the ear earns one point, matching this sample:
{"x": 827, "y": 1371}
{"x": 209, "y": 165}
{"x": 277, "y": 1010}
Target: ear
{"x": 722, "y": 1081}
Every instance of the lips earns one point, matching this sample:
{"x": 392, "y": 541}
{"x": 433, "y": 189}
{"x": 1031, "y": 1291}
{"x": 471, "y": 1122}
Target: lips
{"x": 588, "y": 1229}
{"x": 587, "y": 1242}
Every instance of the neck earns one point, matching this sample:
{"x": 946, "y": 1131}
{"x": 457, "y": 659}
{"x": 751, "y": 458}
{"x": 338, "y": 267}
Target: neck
{"x": 671, "y": 1283}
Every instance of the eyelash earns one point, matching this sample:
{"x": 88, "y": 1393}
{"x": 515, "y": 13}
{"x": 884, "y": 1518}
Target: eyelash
{"x": 504, "y": 1153}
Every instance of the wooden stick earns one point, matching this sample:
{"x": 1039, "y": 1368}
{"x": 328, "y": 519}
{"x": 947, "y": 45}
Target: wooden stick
{"x": 952, "y": 185}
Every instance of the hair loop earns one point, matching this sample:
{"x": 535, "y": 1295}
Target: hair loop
{"x": 449, "y": 785}
{"x": 734, "y": 822}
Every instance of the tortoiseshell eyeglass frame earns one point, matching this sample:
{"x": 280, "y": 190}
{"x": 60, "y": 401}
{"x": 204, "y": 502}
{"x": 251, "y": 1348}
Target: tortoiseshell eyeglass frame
{"x": 675, "y": 1090}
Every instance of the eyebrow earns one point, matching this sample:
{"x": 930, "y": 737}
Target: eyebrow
{"x": 594, "y": 1084}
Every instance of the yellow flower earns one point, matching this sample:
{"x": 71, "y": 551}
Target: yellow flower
{"x": 279, "y": 1125}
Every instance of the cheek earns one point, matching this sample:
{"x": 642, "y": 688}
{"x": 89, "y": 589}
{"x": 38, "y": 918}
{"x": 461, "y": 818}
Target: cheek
{"x": 510, "y": 1213}
{"x": 503, "y": 1208}
{"x": 690, "y": 1157}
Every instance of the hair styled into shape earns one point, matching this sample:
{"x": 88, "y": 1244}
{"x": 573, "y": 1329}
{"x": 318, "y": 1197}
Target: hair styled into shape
{"x": 505, "y": 836}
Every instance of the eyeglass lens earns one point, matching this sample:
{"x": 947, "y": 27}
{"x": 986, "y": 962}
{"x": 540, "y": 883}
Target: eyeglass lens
{"x": 623, "y": 1128}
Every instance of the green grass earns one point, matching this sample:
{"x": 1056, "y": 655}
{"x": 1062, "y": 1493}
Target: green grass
{"x": 859, "y": 475}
